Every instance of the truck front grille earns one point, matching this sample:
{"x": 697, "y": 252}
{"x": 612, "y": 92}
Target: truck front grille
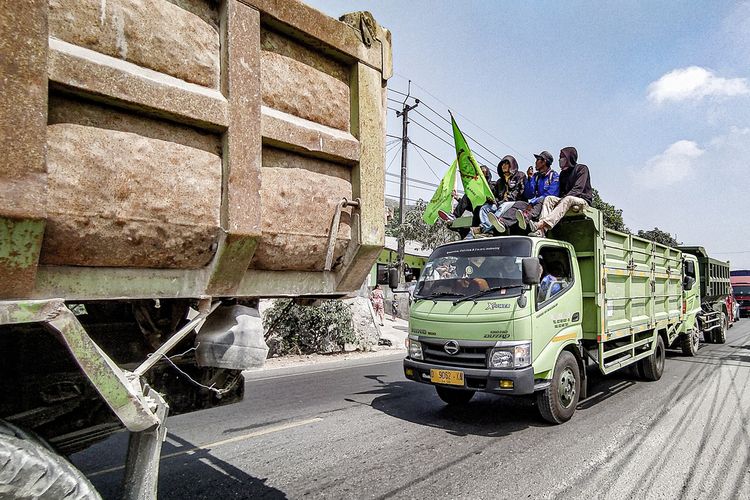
{"x": 467, "y": 357}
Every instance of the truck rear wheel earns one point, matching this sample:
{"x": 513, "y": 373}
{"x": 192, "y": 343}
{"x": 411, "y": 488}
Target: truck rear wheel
{"x": 453, "y": 396}
{"x": 690, "y": 342}
{"x": 558, "y": 401}
{"x": 720, "y": 334}
{"x": 29, "y": 468}
{"x": 653, "y": 366}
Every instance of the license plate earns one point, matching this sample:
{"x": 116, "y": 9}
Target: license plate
{"x": 447, "y": 377}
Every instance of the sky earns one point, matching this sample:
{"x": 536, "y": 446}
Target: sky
{"x": 655, "y": 95}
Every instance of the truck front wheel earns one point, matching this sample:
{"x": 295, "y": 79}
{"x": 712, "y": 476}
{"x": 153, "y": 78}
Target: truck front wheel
{"x": 454, "y": 396}
{"x": 653, "y": 366}
{"x": 30, "y": 469}
{"x": 690, "y": 342}
{"x": 720, "y": 334}
{"x": 558, "y": 401}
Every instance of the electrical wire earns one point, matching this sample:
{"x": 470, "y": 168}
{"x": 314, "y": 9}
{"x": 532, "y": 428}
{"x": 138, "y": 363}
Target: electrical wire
{"x": 426, "y": 151}
{"x": 463, "y": 116}
{"x": 391, "y": 163}
{"x": 475, "y": 153}
{"x": 450, "y": 134}
{"x": 428, "y": 166}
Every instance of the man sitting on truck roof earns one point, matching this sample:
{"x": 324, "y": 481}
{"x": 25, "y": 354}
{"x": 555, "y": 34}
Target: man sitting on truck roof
{"x": 545, "y": 182}
{"x": 575, "y": 192}
{"x": 508, "y": 189}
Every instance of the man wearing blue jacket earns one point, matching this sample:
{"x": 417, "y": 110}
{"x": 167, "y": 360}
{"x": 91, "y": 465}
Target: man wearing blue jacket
{"x": 545, "y": 182}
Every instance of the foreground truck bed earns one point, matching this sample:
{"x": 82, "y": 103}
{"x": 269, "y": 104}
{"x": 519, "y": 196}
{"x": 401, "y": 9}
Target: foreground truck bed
{"x": 165, "y": 164}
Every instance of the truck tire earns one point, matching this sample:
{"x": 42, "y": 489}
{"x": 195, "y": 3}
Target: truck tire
{"x": 690, "y": 342}
{"x": 653, "y": 366}
{"x": 29, "y": 468}
{"x": 720, "y": 334}
{"x": 558, "y": 401}
{"x": 454, "y": 397}
{"x": 708, "y": 337}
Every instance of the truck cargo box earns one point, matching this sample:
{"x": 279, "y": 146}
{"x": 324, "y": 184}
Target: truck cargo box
{"x": 714, "y": 275}
{"x": 631, "y": 286}
{"x": 158, "y": 148}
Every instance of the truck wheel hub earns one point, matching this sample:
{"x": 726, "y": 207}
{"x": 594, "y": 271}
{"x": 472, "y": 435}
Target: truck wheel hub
{"x": 567, "y": 387}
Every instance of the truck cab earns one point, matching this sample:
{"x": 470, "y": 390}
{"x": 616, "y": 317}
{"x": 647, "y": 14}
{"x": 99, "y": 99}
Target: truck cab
{"x": 741, "y": 291}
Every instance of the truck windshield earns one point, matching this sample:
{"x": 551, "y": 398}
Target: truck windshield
{"x": 463, "y": 269}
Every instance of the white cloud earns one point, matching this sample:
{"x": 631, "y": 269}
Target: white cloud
{"x": 695, "y": 83}
{"x": 706, "y": 206}
{"x": 677, "y": 163}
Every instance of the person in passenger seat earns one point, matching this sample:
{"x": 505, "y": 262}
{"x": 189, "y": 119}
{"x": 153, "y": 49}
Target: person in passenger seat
{"x": 552, "y": 283}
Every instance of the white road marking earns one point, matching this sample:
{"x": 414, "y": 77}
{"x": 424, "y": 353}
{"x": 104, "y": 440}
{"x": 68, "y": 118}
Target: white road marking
{"x": 249, "y": 435}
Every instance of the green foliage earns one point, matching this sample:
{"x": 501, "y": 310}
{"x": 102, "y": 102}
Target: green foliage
{"x": 659, "y": 236}
{"x": 612, "y": 215}
{"x": 416, "y": 229}
{"x": 296, "y": 329}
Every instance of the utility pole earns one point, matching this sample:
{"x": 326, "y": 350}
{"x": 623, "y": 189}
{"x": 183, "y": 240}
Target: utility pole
{"x": 404, "y": 114}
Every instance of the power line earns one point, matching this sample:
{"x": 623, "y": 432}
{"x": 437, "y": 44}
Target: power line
{"x": 450, "y": 134}
{"x": 416, "y": 181}
{"x": 423, "y": 149}
{"x": 491, "y": 162}
{"x": 462, "y": 115}
{"x": 391, "y": 163}
{"x": 395, "y": 198}
{"x": 430, "y": 131}
{"x": 412, "y": 186}
{"x": 428, "y": 166}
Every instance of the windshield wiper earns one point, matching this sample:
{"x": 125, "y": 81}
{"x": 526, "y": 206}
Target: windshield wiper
{"x": 438, "y": 294}
{"x": 485, "y": 292}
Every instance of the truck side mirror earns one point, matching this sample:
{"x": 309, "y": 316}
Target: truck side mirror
{"x": 530, "y": 271}
{"x": 393, "y": 278}
{"x": 688, "y": 282}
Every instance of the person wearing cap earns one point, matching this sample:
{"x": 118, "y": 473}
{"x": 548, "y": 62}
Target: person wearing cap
{"x": 575, "y": 192}
{"x": 509, "y": 189}
{"x": 545, "y": 182}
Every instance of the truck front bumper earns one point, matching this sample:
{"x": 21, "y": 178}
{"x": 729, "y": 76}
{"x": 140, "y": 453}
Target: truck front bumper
{"x": 485, "y": 380}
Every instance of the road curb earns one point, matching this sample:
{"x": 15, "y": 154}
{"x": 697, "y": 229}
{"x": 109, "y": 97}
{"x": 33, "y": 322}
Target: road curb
{"x": 323, "y": 366}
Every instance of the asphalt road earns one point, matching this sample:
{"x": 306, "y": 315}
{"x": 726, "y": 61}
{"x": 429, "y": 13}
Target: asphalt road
{"x": 365, "y": 432}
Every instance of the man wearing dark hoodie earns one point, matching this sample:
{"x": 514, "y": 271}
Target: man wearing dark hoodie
{"x": 508, "y": 189}
{"x": 575, "y": 191}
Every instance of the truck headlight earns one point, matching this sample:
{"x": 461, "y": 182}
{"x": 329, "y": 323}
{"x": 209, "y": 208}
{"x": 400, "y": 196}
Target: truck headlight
{"x": 514, "y": 356}
{"x": 415, "y": 350}
{"x": 501, "y": 359}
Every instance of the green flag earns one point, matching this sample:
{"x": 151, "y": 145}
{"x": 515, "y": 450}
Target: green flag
{"x": 475, "y": 185}
{"x": 441, "y": 200}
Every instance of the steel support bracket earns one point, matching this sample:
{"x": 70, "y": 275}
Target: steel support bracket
{"x": 120, "y": 389}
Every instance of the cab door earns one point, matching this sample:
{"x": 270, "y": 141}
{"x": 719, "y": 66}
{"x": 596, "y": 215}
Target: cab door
{"x": 557, "y": 313}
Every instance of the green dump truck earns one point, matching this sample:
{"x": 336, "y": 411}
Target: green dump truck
{"x": 161, "y": 162}
{"x": 518, "y": 315}
{"x": 712, "y": 275}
